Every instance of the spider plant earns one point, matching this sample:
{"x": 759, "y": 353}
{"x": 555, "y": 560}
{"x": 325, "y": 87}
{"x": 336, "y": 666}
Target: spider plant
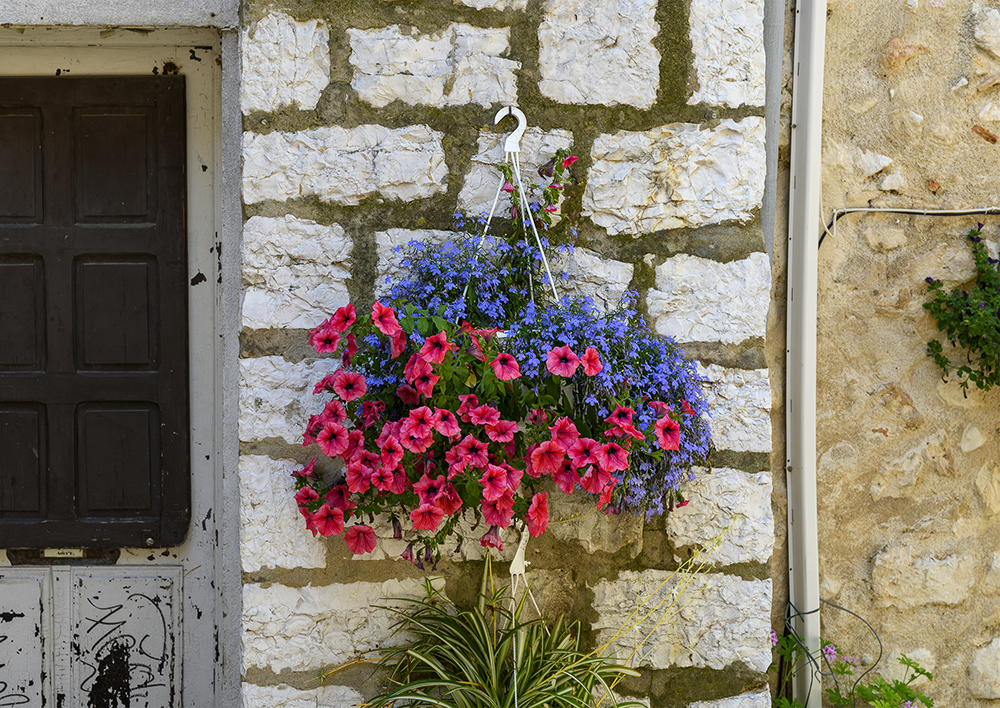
{"x": 487, "y": 657}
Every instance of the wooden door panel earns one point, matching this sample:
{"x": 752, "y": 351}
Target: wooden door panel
{"x": 93, "y": 312}
{"x": 21, "y": 167}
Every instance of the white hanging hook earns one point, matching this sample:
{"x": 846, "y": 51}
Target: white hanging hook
{"x": 513, "y": 144}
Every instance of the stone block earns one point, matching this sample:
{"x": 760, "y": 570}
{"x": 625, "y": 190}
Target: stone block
{"x": 706, "y": 620}
{"x": 988, "y": 30}
{"x": 892, "y": 670}
{"x": 603, "y": 280}
{"x": 991, "y": 583}
{"x": 700, "y": 300}
{"x": 675, "y": 176}
{"x": 480, "y": 186}
{"x": 731, "y": 505}
{"x": 753, "y": 699}
{"x": 494, "y": 4}
{"x": 593, "y": 530}
{"x": 285, "y": 63}
{"x": 272, "y": 531}
{"x": 904, "y": 575}
{"x": 284, "y": 696}
{"x": 295, "y": 272}
{"x": 459, "y": 65}
{"x": 276, "y": 397}
{"x": 727, "y": 40}
{"x": 982, "y": 678}
{"x": 739, "y": 401}
{"x": 596, "y": 52}
{"x": 309, "y": 628}
{"x": 972, "y": 439}
{"x": 344, "y": 165}
{"x": 988, "y": 484}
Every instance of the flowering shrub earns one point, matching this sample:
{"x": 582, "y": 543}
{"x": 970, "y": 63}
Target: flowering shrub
{"x": 434, "y": 417}
{"x": 970, "y": 319}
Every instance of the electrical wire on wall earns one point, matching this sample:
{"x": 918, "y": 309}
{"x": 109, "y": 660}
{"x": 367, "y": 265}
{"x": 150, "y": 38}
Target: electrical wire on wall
{"x": 831, "y": 228}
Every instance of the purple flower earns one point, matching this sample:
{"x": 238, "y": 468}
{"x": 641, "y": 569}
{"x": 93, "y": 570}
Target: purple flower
{"x": 830, "y": 652}
{"x": 774, "y": 638}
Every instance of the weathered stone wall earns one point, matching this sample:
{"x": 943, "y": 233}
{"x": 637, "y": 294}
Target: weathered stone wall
{"x": 368, "y": 124}
{"x": 907, "y": 469}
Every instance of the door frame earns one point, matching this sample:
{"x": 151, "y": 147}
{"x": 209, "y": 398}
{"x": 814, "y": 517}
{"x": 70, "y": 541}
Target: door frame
{"x": 211, "y": 651}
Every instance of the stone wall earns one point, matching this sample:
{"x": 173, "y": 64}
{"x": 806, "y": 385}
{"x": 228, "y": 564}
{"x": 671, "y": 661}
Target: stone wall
{"x": 907, "y": 464}
{"x": 368, "y": 124}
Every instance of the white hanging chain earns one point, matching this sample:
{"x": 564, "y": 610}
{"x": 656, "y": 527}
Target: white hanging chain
{"x": 512, "y": 155}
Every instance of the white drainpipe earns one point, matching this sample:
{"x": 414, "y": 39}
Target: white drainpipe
{"x": 804, "y": 227}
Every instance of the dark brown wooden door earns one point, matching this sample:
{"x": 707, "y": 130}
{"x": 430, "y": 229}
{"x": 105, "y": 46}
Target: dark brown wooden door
{"x": 93, "y": 313}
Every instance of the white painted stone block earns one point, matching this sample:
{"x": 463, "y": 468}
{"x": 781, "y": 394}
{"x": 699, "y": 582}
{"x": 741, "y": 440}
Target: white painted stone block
{"x": 727, "y": 40}
{"x": 700, "y": 300}
{"x": 390, "y": 262}
{"x": 272, "y": 531}
{"x": 276, "y": 397}
{"x": 285, "y": 63}
{"x": 598, "y": 52}
{"x": 603, "y": 280}
{"x": 480, "y": 187}
{"x": 676, "y": 176}
{"x": 713, "y": 620}
{"x": 295, "y": 272}
{"x": 459, "y": 65}
{"x": 308, "y": 628}
{"x": 983, "y": 675}
{"x": 344, "y": 165}
{"x": 284, "y": 696}
{"x": 734, "y": 506}
{"x": 739, "y": 401}
{"x": 753, "y": 699}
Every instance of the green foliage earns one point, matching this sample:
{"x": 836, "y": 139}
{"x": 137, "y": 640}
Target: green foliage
{"x": 847, "y": 692}
{"x": 970, "y": 320}
{"x": 466, "y": 658}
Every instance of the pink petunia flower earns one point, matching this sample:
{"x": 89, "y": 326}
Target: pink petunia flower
{"x": 426, "y": 517}
{"x": 342, "y": 318}
{"x": 397, "y": 344}
{"x": 425, "y": 383}
{"x": 514, "y": 476}
{"x": 592, "y": 365}
{"x": 538, "y": 416}
{"x": 414, "y": 441}
{"x": 334, "y": 412}
{"x": 547, "y": 457}
{"x": 494, "y": 481}
{"x": 468, "y": 402}
{"x": 595, "y": 479}
{"x": 333, "y": 439}
{"x": 566, "y": 477}
{"x": 499, "y": 511}
{"x": 668, "y": 433}
{"x": 408, "y": 395}
{"x": 371, "y": 412}
{"x": 605, "y": 496}
{"x": 385, "y": 319}
{"x": 419, "y": 419}
{"x": 537, "y": 517}
{"x": 400, "y": 483}
{"x": 339, "y": 497}
{"x": 686, "y": 408}
{"x": 505, "y": 367}
{"x": 304, "y": 497}
{"x": 501, "y": 431}
{"x": 350, "y": 350}
{"x": 383, "y": 478}
{"x": 327, "y": 521}
{"x": 392, "y": 452}
{"x": 583, "y": 452}
{"x": 564, "y": 433}
{"x": 659, "y": 407}
{"x": 446, "y": 423}
{"x": 436, "y": 348}
{"x": 507, "y": 186}
{"x": 616, "y": 458}
{"x": 475, "y": 452}
{"x": 360, "y": 539}
{"x": 324, "y": 339}
{"x": 324, "y": 384}
{"x": 359, "y": 478}
{"x": 448, "y": 500}
{"x": 306, "y": 471}
{"x": 491, "y": 539}
{"x": 484, "y": 415}
{"x": 567, "y": 161}
{"x": 621, "y": 416}
{"x": 429, "y": 489}
{"x": 349, "y": 385}
{"x": 561, "y": 361}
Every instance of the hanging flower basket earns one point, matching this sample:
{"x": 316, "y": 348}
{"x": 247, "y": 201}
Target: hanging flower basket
{"x": 470, "y": 392}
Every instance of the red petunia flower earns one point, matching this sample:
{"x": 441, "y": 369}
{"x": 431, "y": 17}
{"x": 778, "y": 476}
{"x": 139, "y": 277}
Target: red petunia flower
{"x": 566, "y": 477}
{"x": 686, "y": 408}
{"x": 621, "y": 416}
{"x": 324, "y": 339}
{"x": 592, "y": 365}
{"x": 583, "y": 452}
{"x": 414, "y": 441}
{"x": 668, "y": 433}
{"x": 567, "y": 161}
{"x": 349, "y": 385}
{"x": 426, "y": 517}
{"x": 397, "y": 344}
{"x": 327, "y": 521}
{"x": 420, "y": 420}
{"x": 408, "y": 395}
{"x": 304, "y": 497}
{"x": 428, "y": 489}
{"x": 491, "y": 539}
{"x": 505, "y": 367}
{"x": 538, "y": 416}
{"x": 392, "y": 452}
{"x": 494, "y": 481}
{"x": 561, "y": 361}
{"x": 350, "y": 350}
{"x": 436, "y": 348}
{"x": 616, "y": 458}
{"x": 595, "y": 479}
{"x": 564, "y": 433}
{"x": 468, "y": 402}
{"x": 547, "y": 457}
{"x": 501, "y": 431}
{"x": 446, "y": 423}
{"x": 484, "y": 415}
{"x": 537, "y": 517}
{"x": 385, "y": 319}
{"x": 448, "y": 500}
{"x": 660, "y": 408}
{"x": 339, "y": 497}
{"x": 499, "y": 511}
{"x": 342, "y": 319}
{"x": 306, "y": 471}
{"x": 333, "y": 439}
{"x": 359, "y": 478}
{"x": 360, "y": 539}
{"x": 383, "y": 477}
